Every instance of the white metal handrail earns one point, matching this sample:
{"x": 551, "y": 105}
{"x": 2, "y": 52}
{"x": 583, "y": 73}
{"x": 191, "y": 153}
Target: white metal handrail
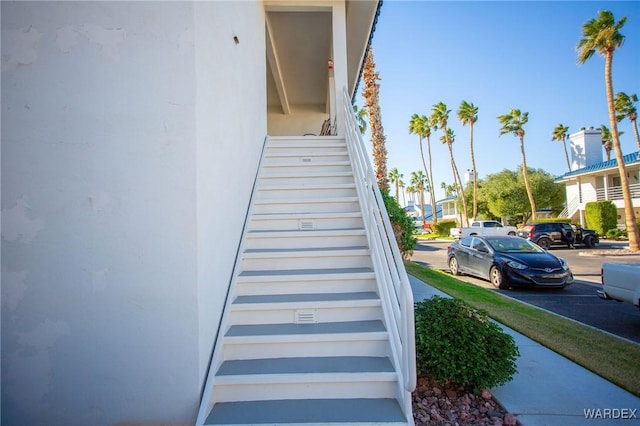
{"x": 393, "y": 284}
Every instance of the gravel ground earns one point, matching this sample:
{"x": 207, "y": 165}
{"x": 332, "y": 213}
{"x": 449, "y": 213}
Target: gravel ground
{"x": 449, "y": 406}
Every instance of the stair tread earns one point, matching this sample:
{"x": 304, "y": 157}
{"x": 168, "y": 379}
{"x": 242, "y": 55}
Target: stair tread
{"x": 313, "y": 173}
{"x": 308, "y": 297}
{"x": 293, "y": 187}
{"x": 305, "y": 250}
{"x": 277, "y": 272}
{"x": 306, "y": 200}
{"x": 311, "y": 411}
{"x": 306, "y": 233}
{"x": 367, "y": 326}
{"x": 333, "y": 364}
{"x": 313, "y": 215}
{"x": 308, "y": 164}
{"x": 271, "y": 154}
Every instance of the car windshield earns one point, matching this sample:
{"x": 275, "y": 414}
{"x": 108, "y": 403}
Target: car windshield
{"x": 513, "y": 245}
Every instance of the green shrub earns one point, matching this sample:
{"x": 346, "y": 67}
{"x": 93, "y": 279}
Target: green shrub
{"x": 613, "y": 234}
{"x": 443, "y": 227}
{"x": 459, "y": 344}
{"x": 402, "y": 225}
{"x": 553, "y": 219}
{"x": 601, "y": 216}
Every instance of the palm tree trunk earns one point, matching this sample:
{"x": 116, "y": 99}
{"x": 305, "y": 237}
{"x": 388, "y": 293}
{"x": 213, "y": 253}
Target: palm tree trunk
{"x": 428, "y": 172}
{"x": 630, "y": 219}
{"x": 634, "y": 126}
{"x": 424, "y": 217}
{"x": 525, "y": 176}
{"x": 456, "y": 177}
{"x": 475, "y": 174}
{"x": 432, "y": 194}
{"x": 566, "y": 153}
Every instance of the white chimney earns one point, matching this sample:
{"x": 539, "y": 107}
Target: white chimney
{"x": 586, "y": 148}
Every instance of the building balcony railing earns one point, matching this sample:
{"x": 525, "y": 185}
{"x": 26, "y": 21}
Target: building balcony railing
{"x": 611, "y": 193}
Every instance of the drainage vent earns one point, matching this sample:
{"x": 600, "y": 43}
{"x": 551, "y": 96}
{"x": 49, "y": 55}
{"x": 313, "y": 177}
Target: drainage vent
{"x": 306, "y": 159}
{"x": 306, "y": 225}
{"x": 306, "y": 317}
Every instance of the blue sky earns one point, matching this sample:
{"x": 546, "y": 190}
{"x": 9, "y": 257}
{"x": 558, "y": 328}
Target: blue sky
{"x": 498, "y": 55}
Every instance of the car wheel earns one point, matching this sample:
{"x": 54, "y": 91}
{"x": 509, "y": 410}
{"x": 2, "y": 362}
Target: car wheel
{"x": 495, "y": 275}
{"x": 589, "y": 241}
{"x": 512, "y": 233}
{"x": 453, "y": 266}
{"x": 545, "y": 243}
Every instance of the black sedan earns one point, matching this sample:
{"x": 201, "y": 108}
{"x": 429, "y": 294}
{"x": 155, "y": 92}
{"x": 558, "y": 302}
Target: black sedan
{"x": 508, "y": 261}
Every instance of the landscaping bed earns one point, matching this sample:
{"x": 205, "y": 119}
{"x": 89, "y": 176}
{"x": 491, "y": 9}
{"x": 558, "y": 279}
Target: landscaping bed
{"x": 434, "y": 404}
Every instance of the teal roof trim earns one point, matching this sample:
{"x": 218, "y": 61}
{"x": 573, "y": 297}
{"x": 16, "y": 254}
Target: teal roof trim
{"x": 633, "y": 158}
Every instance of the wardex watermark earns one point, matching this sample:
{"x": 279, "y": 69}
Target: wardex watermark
{"x": 611, "y": 413}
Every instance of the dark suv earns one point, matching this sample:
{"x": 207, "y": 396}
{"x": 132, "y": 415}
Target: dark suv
{"x": 550, "y": 233}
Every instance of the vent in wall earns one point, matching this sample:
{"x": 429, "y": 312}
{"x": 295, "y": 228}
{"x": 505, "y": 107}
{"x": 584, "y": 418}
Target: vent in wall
{"x": 307, "y": 316}
{"x": 306, "y": 225}
{"x": 305, "y": 159}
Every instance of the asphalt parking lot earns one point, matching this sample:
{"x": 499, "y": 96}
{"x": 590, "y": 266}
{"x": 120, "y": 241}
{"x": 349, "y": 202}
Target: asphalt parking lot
{"x": 578, "y": 301}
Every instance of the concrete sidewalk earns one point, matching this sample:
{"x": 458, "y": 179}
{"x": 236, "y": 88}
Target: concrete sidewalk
{"x": 550, "y": 390}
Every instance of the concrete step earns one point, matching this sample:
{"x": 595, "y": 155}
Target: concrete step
{"x": 352, "y": 411}
{"x": 306, "y": 258}
{"x": 306, "y": 205}
{"x": 321, "y": 191}
{"x": 300, "y": 176}
{"x": 305, "y": 221}
{"x": 345, "y": 282}
{"x": 305, "y": 308}
{"x": 313, "y": 377}
{"x": 318, "y": 238}
{"x": 286, "y": 340}
{"x": 296, "y": 167}
{"x": 305, "y": 156}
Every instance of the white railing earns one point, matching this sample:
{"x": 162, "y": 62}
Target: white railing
{"x": 393, "y": 282}
{"x": 615, "y": 193}
{"x": 571, "y": 208}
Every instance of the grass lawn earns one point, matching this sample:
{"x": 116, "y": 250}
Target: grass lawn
{"x": 615, "y": 359}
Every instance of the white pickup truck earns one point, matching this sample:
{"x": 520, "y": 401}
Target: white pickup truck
{"x": 483, "y": 227}
{"x": 621, "y": 282}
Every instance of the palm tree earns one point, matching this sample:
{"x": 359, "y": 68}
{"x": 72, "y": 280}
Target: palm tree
{"x": 394, "y": 177}
{"x": 625, "y": 108}
{"x": 448, "y": 138}
{"x": 401, "y": 184}
{"x": 468, "y": 114}
{"x": 602, "y": 35}
{"x": 420, "y": 125}
{"x": 607, "y": 141}
{"x": 439, "y": 119}
{"x": 361, "y": 114}
{"x": 411, "y": 190}
{"x": 513, "y": 123}
{"x": 449, "y": 190}
{"x": 419, "y": 181}
{"x": 560, "y": 134}
{"x": 378, "y": 139}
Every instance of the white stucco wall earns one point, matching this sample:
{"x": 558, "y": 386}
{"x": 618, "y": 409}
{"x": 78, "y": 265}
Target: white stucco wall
{"x": 127, "y": 160}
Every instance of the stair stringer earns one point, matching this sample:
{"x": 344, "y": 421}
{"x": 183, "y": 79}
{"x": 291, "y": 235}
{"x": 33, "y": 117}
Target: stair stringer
{"x": 207, "y": 401}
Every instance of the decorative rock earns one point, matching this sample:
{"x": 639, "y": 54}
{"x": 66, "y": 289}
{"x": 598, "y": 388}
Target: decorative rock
{"x": 510, "y": 420}
{"x": 450, "y": 405}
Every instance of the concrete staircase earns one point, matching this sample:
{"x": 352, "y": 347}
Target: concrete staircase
{"x": 304, "y": 340}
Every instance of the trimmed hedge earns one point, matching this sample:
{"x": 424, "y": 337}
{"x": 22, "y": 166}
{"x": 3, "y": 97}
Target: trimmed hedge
{"x": 459, "y": 344}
